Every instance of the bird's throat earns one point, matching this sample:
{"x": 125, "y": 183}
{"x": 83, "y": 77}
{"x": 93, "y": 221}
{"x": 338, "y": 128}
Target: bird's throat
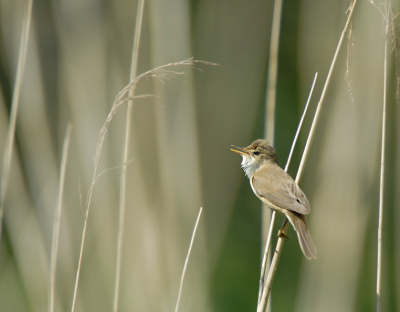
{"x": 249, "y": 165}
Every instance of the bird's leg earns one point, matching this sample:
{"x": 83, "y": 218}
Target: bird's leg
{"x": 281, "y": 233}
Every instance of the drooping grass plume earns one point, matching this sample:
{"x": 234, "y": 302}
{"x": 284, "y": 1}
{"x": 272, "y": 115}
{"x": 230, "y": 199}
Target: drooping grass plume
{"x": 161, "y": 73}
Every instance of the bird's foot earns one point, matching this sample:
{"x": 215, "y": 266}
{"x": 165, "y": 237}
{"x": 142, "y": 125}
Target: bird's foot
{"x": 282, "y": 234}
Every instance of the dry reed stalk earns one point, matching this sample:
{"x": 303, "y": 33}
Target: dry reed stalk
{"x": 270, "y": 104}
{"x": 395, "y": 33}
{"x": 279, "y": 246}
{"x": 57, "y": 217}
{"x": 8, "y": 149}
{"x": 382, "y": 167}
{"x": 349, "y": 60}
{"x": 187, "y": 260}
{"x": 161, "y": 73}
{"x": 122, "y": 195}
{"x": 268, "y": 244}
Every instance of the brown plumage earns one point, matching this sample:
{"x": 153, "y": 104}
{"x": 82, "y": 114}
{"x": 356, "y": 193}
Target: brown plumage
{"x": 277, "y": 190}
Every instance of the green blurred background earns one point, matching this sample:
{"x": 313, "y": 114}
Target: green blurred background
{"x": 79, "y": 59}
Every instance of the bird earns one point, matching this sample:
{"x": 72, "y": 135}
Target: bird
{"x": 277, "y": 190}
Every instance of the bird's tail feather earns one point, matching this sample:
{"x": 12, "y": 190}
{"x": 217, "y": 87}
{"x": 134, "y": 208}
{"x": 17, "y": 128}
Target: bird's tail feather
{"x": 306, "y": 243}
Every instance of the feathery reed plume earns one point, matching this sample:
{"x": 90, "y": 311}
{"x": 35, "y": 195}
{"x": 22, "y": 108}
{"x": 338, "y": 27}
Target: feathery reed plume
{"x": 161, "y": 73}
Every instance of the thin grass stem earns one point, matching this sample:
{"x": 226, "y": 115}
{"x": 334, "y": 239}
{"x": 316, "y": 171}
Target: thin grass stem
{"x": 382, "y": 170}
{"x": 300, "y": 123}
{"x": 57, "y": 218}
{"x": 265, "y": 257}
{"x": 270, "y": 104}
{"x": 8, "y": 149}
{"x": 187, "y": 260}
{"x": 122, "y": 195}
{"x": 323, "y": 94}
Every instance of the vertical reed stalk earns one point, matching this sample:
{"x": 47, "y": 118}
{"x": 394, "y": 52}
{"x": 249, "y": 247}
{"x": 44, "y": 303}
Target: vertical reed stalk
{"x": 122, "y": 194}
{"x": 57, "y": 218}
{"x": 8, "y": 149}
{"x": 382, "y": 169}
{"x": 270, "y": 104}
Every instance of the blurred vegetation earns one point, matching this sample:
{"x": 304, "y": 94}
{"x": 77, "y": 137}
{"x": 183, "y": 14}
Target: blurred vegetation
{"x": 79, "y": 59}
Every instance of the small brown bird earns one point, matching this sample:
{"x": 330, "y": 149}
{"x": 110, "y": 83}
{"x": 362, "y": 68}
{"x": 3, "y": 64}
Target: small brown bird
{"x": 276, "y": 189}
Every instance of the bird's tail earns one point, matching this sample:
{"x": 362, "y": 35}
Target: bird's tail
{"x": 300, "y": 225}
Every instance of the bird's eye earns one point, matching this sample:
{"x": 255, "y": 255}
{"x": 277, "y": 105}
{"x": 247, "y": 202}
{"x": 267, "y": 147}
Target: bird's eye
{"x": 256, "y": 153}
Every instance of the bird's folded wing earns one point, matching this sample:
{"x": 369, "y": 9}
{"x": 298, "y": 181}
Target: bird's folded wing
{"x": 277, "y": 187}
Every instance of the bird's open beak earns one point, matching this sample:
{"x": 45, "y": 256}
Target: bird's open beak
{"x": 239, "y": 151}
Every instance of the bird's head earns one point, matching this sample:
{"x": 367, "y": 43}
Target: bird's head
{"x": 255, "y": 155}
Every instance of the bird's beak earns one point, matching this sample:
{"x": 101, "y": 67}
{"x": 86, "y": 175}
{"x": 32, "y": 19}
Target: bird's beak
{"x": 239, "y": 151}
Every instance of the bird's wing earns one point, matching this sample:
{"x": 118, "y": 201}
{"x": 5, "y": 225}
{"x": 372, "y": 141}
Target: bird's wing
{"x": 276, "y": 186}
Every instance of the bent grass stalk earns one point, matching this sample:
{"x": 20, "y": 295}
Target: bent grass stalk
{"x": 122, "y": 197}
{"x": 279, "y": 246}
{"x": 8, "y": 149}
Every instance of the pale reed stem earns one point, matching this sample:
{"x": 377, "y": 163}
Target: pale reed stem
{"x": 187, "y": 260}
{"x": 8, "y": 148}
{"x": 382, "y": 173}
{"x": 122, "y": 194}
{"x": 57, "y": 218}
{"x": 270, "y": 104}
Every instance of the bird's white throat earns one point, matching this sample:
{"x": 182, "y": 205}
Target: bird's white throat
{"x": 249, "y": 165}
